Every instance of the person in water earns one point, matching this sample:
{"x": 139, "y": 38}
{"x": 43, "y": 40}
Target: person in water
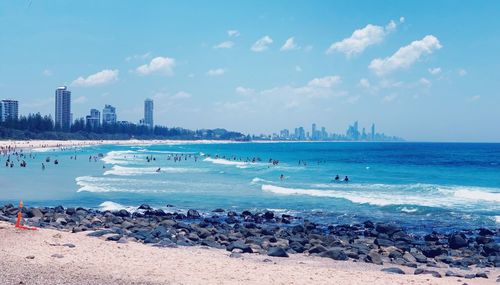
{"x": 282, "y": 177}
{"x": 346, "y": 179}
{"x": 158, "y": 170}
{"x": 337, "y": 178}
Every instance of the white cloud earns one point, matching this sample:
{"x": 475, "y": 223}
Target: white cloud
{"x": 243, "y": 90}
{"x": 353, "y": 99}
{"x": 99, "y": 78}
{"x": 233, "y": 33}
{"x": 325, "y": 82}
{"x": 138, "y": 56}
{"x": 361, "y": 39}
{"x": 401, "y": 19}
{"x": 80, "y": 100}
{"x": 390, "y": 98}
{"x": 405, "y": 56}
{"x": 435, "y": 70}
{"x": 364, "y": 83}
{"x": 462, "y": 72}
{"x": 47, "y": 72}
{"x": 261, "y": 44}
{"x": 216, "y": 72}
{"x": 225, "y": 45}
{"x": 158, "y": 64}
{"x": 425, "y": 82}
{"x": 289, "y": 45}
{"x": 474, "y": 98}
{"x": 298, "y": 68}
{"x": 181, "y": 95}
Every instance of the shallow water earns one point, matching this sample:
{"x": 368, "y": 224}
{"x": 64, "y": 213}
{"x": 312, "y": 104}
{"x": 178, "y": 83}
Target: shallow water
{"x": 422, "y": 186}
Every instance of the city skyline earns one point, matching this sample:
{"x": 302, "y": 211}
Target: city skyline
{"x": 401, "y": 67}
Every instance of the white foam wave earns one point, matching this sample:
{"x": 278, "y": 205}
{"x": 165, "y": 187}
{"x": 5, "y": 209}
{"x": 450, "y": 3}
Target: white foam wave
{"x": 258, "y": 180}
{"x": 119, "y": 157}
{"x": 412, "y": 194}
{"x": 225, "y": 161}
{"x": 131, "y": 171}
{"x": 408, "y": 210}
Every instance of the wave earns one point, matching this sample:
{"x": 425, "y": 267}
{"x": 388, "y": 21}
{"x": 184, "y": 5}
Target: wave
{"x": 131, "y": 171}
{"x": 112, "y": 206}
{"x": 240, "y": 164}
{"x": 119, "y": 157}
{"x": 385, "y": 195}
{"x": 258, "y": 180}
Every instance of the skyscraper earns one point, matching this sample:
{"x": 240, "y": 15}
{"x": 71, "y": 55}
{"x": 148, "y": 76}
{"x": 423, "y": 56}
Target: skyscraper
{"x": 148, "y": 113}
{"x": 108, "y": 115}
{"x": 313, "y": 132}
{"x": 9, "y": 110}
{"x": 93, "y": 120}
{"x": 63, "y": 108}
{"x": 373, "y": 132}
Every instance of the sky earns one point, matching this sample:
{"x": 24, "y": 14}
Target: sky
{"x": 421, "y": 70}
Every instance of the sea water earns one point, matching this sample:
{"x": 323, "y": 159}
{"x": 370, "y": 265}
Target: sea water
{"x": 423, "y": 186}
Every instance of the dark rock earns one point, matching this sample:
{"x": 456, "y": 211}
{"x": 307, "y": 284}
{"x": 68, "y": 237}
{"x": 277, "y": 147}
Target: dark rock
{"x": 268, "y": 215}
{"x": 193, "y": 214}
{"x": 369, "y": 225}
{"x": 374, "y": 257}
{"x": 470, "y": 276}
{"x": 100, "y": 233}
{"x": 166, "y": 243}
{"x": 432, "y": 251}
{"x": 246, "y": 213}
{"x": 114, "y": 238}
{"x": 425, "y": 271}
{"x": 457, "y": 241}
{"x": 57, "y": 255}
{"x": 298, "y": 229}
{"x": 453, "y": 274}
{"x": 35, "y": 213}
{"x": 317, "y": 249}
{"x": 335, "y": 254}
{"x": 218, "y": 210}
{"x": 245, "y": 248}
{"x": 395, "y": 254}
{"x": 419, "y": 257}
{"x": 431, "y": 237}
{"x": 277, "y": 252}
{"x": 383, "y": 242}
{"x": 394, "y": 270}
{"x": 297, "y": 247}
{"x": 387, "y": 228}
{"x": 30, "y": 257}
{"x": 485, "y": 232}
{"x": 70, "y": 245}
{"x": 492, "y": 248}
{"x": 482, "y": 275}
{"x": 122, "y": 213}
{"x": 145, "y": 207}
{"x": 59, "y": 209}
{"x": 70, "y": 211}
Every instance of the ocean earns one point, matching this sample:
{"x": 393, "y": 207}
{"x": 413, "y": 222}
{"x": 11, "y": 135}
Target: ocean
{"x": 421, "y": 186}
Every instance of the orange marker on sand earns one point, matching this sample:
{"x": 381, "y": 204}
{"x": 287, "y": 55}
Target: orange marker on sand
{"x": 20, "y": 217}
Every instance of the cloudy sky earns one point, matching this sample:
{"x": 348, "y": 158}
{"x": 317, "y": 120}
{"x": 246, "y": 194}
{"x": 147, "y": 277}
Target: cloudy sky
{"x": 423, "y": 70}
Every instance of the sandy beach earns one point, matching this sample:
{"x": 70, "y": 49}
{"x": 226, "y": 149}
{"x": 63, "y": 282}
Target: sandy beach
{"x": 55, "y": 257}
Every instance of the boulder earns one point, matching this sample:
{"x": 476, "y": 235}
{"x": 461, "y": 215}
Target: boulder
{"x": 374, "y": 257}
{"x": 245, "y": 248}
{"x": 193, "y": 214}
{"x": 456, "y": 241}
{"x": 277, "y": 252}
{"x": 393, "y": 270}
{"x": 335, "y": 254}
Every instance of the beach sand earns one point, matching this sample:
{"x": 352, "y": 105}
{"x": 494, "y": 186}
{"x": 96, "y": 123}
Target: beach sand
{"x": 40, "y": 257}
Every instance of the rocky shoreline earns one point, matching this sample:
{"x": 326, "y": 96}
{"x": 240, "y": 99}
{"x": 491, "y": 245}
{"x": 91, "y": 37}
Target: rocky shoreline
{"x": 278, "y": 236}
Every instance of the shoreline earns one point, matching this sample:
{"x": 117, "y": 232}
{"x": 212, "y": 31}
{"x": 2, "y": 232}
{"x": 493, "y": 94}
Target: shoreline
{"x": 285, "y": 240}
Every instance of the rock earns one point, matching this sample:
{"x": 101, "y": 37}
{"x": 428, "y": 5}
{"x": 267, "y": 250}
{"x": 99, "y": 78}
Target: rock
{"x": 387, "y": 228}
{"x": 114, "y": 238}
{"x": 277, "y": 252}
{"x": 70, "y": 245}
{"x": 383, "y": 242}
{"x": 492, "y": 248}
{"x": 432, "y": 251}
{"x": 425, "y": 271}
{"x": 30, "y": 257}
{"x": 57, "y": 255}
{"x": 59, "y": 209}
{"x": 100, "y": 233}
{"x": 35, "y": 213}
{"x": 470, "y": 276}
{"x": 419, "y": 257}
{"x": 485, "y": 232}
{"x": 267, "y": 260}
{"x": 297, "y": 247}
{"x": 453, "y": 274}
{"x": 456, "y": 241}
{"x": 193, "y": 214}
{"x": 335, "y": 254}
{"x": 317, "y": 249}
{"x": 394, "y": 270}
{"x": 218, "y": 210}
{"x": 166, "y": 243}
{"x": 482, "y": 275}
{"x": 145, "y": 207}
{"x": 122, "y": 213}
{"x": 57, "y": 236}
{"x": 245, "y": 248}
{"x": 374, "y": 257}
{"x": 268, "y": 215}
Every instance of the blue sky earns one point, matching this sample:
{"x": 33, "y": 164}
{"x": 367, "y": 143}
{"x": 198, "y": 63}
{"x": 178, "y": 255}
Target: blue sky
{"x": 423, "y": 70}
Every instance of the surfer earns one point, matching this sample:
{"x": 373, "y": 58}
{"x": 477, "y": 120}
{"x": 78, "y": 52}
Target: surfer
{"x": 346, "y": 179}
{"x": 337, "y": 178}
{"x": 158, "y": 170}
{"x": 282, "y": 177}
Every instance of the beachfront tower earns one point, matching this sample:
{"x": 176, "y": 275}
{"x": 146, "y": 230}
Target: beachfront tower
{"x": 108, "y": 115}
{"x": 373, "y": 132}
{"x": 9, "y": 110}
{"x": 148, "y": 113}
{"x": 93, "y": 121}
{"x": 63, "y": 108}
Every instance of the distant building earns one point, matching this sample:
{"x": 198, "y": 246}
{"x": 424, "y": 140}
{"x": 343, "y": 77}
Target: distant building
{"x": 314, "y": 134}
{"x": 108, "y": 115}
{"x": 94, "y": 119}
{"x": 373, "y": 132}
{"x": 9, "y": 110}
{"x": 148, "y": 113}
{"x": 285, "y": 134}
{"x": 63, "y": 108}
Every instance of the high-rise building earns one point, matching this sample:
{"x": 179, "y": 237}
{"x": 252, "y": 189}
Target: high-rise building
{"x": 63, "y": 108}
{"x": 108, "y": 115}
{"x": 93, "y": 120}
{"x": 9, "y": 110}
{"x": 148, "y": 113}
{"x": 313, "y": 132}
{"x": 373, "y": 132}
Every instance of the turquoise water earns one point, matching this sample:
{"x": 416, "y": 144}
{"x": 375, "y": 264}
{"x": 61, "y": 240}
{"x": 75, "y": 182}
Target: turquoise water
{"x": 423, "y": 186}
